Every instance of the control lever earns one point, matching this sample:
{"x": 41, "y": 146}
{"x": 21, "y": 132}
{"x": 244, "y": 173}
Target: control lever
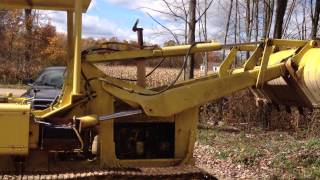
{"x": 139, "y": 31}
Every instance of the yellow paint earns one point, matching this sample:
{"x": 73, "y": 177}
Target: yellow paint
{"x": 225, "y": 66}
{"x": 264, "y": 63}
{"x": 88, "y": 121}
{"x": 77, "y": 48}
{"x": 254, "y": 59}
{"x": 309, "y": 75}
{"x": 179, "y": 104}
{"x": 152, "y": 53}
{"x": 14, "y": 129}
{"x": 60, "y": 5}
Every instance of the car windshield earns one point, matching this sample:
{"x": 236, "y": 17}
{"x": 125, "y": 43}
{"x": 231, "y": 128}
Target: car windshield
{"x": 51, "y": 77}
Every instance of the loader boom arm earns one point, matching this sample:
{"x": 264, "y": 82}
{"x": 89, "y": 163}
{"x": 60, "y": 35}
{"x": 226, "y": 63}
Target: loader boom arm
{"x": 192, "y": 93}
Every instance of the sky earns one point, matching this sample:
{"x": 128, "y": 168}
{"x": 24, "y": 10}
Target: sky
{"x": 115, "y": 18}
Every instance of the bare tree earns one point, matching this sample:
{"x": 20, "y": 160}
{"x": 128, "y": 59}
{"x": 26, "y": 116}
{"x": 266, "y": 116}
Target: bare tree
{"x": 174, "y": 35}
{"x": 297, "y": 25}
{"x": 268, "y": 14}
{"x": 315, "y": 18}
{"x": 289, "y": 15}
{"x": 236, "y": 21}
{"x": 248, "y": 20}
{"x": 280, "y": 12}
{"x": 256, "y": 2}
{"x": 249, "y": 14}
{"x": 228, "y": 25}
{"x": 189, "y": 70}
{"x": 205, "y": 33}
{"x": 304, "y": 22}
{"x": 178, "y": 10}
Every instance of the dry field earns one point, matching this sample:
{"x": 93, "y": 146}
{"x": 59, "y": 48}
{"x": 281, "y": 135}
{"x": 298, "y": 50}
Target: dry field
{"x": 15, "y": 92}
{"x": 160, "y": 77}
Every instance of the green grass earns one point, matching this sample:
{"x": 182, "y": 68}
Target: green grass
{"x": 206, "y": 136}
{"x": 247, "y": 154}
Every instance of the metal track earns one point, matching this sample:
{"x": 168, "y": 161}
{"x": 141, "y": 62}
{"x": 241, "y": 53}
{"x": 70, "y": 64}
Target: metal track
{"x": 179, "y": 172}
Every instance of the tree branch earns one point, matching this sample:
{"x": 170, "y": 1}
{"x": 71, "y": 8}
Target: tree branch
{"x": 205, "y": 11}
{"x": 173, "y": 13}
{"x": 166, "y": 28}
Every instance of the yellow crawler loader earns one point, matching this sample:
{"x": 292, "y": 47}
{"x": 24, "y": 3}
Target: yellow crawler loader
{"x": 126, "y": 130}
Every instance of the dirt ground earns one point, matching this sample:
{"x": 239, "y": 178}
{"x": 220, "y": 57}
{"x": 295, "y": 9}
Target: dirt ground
{"x": 257, "y": 154}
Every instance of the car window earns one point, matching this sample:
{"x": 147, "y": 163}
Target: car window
{"x": 51, "y": 77}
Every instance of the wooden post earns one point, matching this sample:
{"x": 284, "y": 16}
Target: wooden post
{"x": 141, "y": 73}
{"x": 141, "y": 66}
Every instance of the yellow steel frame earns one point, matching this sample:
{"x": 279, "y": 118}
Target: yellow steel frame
{"x": 160, "y": 52}
{"x": 264, "y": 64}
{"x": 227, "y": 63}
{"x": 59, "y": 5}
{"x": 192, "y": 93}
{"x": 72, "y": 90}
{"x": 14, "y": 131}
{"x": 195, "y": 92}
{"x": 179, "y": 104}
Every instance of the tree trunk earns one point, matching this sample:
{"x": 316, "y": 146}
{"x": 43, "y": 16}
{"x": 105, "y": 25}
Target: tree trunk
{"x": 265, "y": 17}
{"x": 288, "y": 20}
{"x": 205, "y": 33}
{"x": 280, "y": 12}
{"x": 268, "y": 14}
{"x": 189, "y": 72}
{"x": 235, "y": 22}
{"x": 303, "y": 24}
{"x": 2, "y": 31}
{"x": 186, "y": 32}
{"x": 315, "y": 19}
{"x": 236, "y": 33}
{"x": 227, "y": 26}
{"x": 248, "y": 23}
{"x": 257, "y": 19}
{"x": 28, "y": 41}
